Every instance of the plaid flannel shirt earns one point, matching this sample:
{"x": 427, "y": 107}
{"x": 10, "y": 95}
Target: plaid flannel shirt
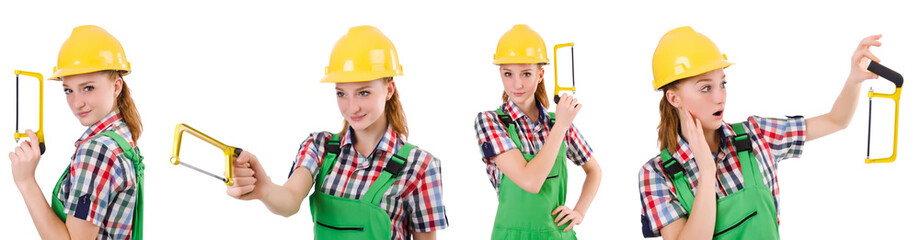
{"x": 102, "y": 182}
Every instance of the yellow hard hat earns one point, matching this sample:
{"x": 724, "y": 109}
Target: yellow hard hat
{"x": 683, "y": 53}
{"x": 90, "y": 49}
{"x": 363, "y": 54}
{"x": 520, "y": 45}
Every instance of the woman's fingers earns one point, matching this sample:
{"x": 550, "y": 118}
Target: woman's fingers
{"x": 563, "y": 211}
{"x": 243, "y": 172}
{"x": 237, "y": 192}
{"x": 244, "y": 181}
{"x": 557, "y": 210}
{"x": 33, "y": 142}
{"x": 569, "y": 227}
{"x": 568, "y": 218}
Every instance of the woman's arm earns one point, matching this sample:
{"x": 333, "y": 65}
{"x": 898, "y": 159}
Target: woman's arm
{"x": 24, "y": 159}
{"x": 424, "y": 235}
{"x": 531, "y": 175}
{"x": 842, "y": 112}
{"x": 251, "y": 182}
{"x": 702, "y": 220}
{"x": 49, "y": 226}
{"x": 588, "y": 191}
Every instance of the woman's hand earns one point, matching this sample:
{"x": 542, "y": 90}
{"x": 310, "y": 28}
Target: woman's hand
{"x": 249, "y": 178}
{"x": 860, "y": 59}
{"x": 692, "y": 131}
{"x": 567, "y": 109}
{"x": 24, "y": 159}
{"x": 565, "y": 214}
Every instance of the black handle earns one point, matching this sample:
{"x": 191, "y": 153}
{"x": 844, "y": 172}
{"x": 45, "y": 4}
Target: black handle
{"x": 556, "y": 99}
{"x": 886, "y": 73}
{"x": 238, "y": 151}
{"x": 41, "y": 146}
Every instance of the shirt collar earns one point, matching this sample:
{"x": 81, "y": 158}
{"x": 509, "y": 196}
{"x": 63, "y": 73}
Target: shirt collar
{"x": 516, "y": 113}
{"x": 106, "y": 123}
{"x": 387, "y": 143}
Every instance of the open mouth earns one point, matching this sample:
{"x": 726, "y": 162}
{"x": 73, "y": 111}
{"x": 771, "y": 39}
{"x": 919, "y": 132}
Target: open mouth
{"x": 718, "y": 113}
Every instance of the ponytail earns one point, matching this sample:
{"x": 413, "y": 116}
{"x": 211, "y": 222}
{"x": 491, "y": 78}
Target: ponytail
{"x": 669, "y": 125}
{"x": 126, "y": 106}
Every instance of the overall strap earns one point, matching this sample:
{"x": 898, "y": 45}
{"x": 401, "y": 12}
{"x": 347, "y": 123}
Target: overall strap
{"x": 386, "y": 179}
{"x": 679, "y": 179}
{"x": 749, "y": 168}
{"x": 510, "y": 127}
{"x": 137, "y": 231}
{"x": 552, "y": 120}
{"x": 331, "y": 155}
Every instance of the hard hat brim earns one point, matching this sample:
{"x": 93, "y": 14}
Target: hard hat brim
{"x": 355, "y": 76}
{"x": 77, "y": 71}
{"x": 519, "y": 60}
{"x": 719, "y": 64}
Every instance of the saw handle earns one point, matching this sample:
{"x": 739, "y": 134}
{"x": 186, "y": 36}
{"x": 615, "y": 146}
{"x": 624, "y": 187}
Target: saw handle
{"x": 886, "y": 73}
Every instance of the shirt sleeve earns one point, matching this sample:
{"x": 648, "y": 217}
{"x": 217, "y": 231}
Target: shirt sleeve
{"x": 785, "y": 136}
{"x": 425, "y": 203}
{"x": 96, "y": 178}
{"x": 310, "y": 154}
{"x": 660, "y": 206}
{"x": 492, "y": 135}
{"x": 577, "y": 149}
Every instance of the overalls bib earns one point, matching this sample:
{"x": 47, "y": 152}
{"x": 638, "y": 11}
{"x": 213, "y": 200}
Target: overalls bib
{"x": 345, "y": 218}
{"x": 137, "y": 225}
{"x": 747, "y": 214}
{"x": 524, "y": 215}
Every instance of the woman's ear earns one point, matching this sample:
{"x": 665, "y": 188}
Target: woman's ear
{"x": 673, "y": 98}
{"x": 118, "y": 86}
{"x": 542, "y": 71}
{"x": 391, "y": 88}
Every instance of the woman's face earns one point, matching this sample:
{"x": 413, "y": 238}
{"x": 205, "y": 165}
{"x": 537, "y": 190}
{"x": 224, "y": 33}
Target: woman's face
{"x": 520, "y": 81}
{"x": 91, "y": 96}
{"x": 704, "y": 96}
{"x": 363, "y": 103}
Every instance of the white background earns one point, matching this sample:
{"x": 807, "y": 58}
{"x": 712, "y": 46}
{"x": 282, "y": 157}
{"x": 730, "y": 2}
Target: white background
{"x": 248, "y": 75}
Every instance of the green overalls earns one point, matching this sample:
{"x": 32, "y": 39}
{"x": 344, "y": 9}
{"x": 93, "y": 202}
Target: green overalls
{"x": 137, "y": 226}
{"x": 747, "y": 214}
{"x": 345, "y": 218}
{"x": 524, "y": 215}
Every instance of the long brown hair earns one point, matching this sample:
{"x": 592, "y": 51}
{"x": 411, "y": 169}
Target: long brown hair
{"x": 126, "y": 106}
{"x": 540, "y": 94}
{"x": 393, "y": 110}
{"x": 669, "y": 126}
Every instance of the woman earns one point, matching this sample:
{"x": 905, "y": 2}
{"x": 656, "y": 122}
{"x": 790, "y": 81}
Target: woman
{"x": 725, "y": 173}
{"x": 369, "y": 183}
{"x": 525, "y": 154}
{"x": 99, "y": 195}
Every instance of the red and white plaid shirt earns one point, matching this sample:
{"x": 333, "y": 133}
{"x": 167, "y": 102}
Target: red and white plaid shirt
{"x": 494, "y": 139}
{"x": 772, "y": 140}
{"x": 414, "y": 202}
